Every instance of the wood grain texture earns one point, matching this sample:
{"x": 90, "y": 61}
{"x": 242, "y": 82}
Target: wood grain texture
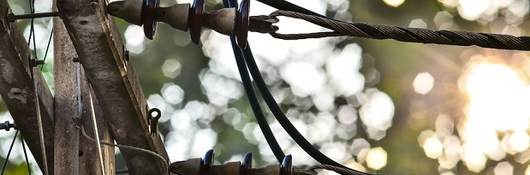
{"x": 16, "y": 89}
{"x": 88, "y": 153}
{"x": 115, "y": 83}
{"x": 66, "y": 104}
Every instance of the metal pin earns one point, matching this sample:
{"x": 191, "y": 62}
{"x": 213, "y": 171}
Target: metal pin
{"x": 12, "y": 17}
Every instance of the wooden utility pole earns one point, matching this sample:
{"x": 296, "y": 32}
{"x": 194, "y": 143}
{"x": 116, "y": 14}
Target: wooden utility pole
{"x": 16, "y": 88}
{"x": 119, "y": 105}
{"x": 75, "y": 154}
{"x": 115, "y": 82}
{"x": 67, "y": 106}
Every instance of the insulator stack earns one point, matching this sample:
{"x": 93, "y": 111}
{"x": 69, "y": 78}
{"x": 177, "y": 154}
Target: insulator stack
{"x": 205, "y": 166}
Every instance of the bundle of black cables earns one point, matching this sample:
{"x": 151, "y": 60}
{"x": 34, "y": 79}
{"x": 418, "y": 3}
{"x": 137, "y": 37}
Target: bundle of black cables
{"x": 247, "y": 65}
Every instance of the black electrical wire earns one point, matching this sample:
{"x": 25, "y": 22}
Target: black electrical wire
{"x": 4, "y": 166}
{"x": 280, "y": 116}
{"x": 244, "y": 59}
{"x": 285, "y": 5}
{"x": 254, "y": 103}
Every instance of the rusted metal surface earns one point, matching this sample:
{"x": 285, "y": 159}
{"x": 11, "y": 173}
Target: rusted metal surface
{"x": 114, "y": 81}
{"x": 16, "y": 88}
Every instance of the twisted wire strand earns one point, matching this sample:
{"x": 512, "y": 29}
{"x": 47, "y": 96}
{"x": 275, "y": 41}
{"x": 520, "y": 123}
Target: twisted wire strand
{"x": 406, "y": 34}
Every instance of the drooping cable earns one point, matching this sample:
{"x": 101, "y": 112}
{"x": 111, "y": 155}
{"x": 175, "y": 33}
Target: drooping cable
{"x": 4, "y": 166}
{"x": 166, "y": 162}
{"x": 97, "y": 139}
{"x": 254, "y": 103}
{"x": 286, "y": 5}
{"x": 280, "y": 116}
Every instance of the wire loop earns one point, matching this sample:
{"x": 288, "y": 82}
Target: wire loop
{"x": 405, "y": 34}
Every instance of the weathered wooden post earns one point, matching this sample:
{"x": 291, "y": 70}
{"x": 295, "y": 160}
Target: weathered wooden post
{"x": 74, "y": 153}
{"x": 115, "y": 82}
{"x": 16, "y": 88}
{"x": 66, "y": 103}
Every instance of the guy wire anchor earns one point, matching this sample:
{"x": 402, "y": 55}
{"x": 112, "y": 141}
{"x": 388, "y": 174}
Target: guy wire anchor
{"x": 227, "y": 21}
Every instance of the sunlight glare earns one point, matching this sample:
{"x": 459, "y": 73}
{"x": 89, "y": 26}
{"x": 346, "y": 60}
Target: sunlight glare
{"x": 497, "y": 96}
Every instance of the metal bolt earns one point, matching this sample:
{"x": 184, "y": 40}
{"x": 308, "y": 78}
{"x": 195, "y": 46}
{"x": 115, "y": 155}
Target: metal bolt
{"x": 12, "y": 17}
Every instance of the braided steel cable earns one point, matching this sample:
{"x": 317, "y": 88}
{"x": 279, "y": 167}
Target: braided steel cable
{"x": 406, "y": 34}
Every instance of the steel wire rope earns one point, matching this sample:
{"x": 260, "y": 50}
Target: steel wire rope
{"x": 404, "y": 34}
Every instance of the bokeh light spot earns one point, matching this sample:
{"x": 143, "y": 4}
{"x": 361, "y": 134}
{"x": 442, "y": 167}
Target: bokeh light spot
{"x": 376, "y": 158}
